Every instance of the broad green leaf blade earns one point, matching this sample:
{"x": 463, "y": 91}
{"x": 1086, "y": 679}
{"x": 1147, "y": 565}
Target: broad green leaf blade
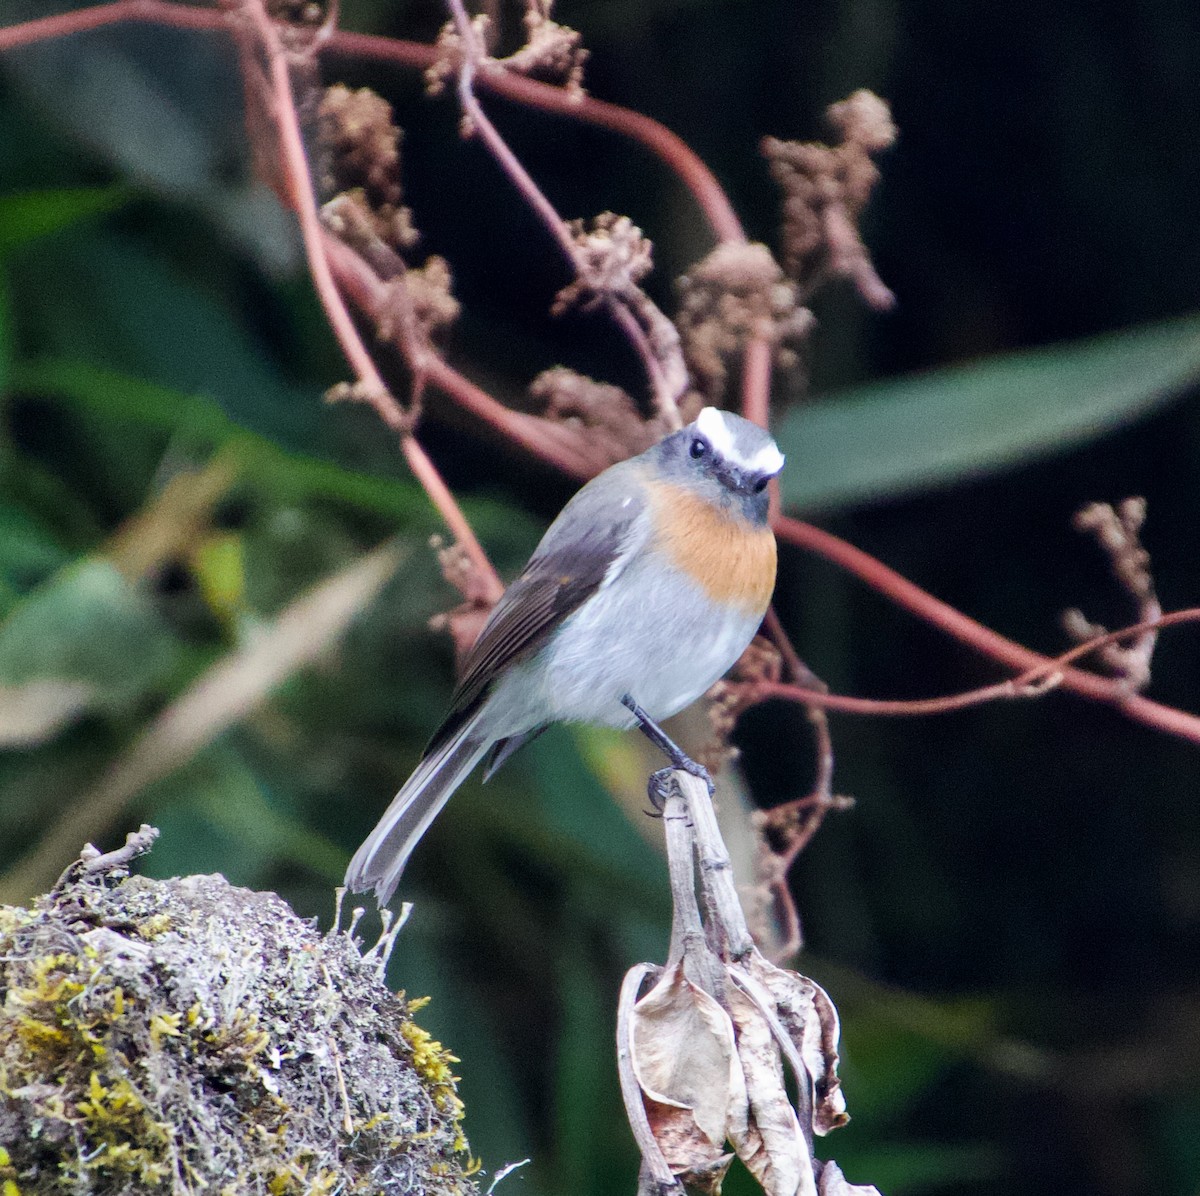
{"x": 6, "y": 329}
{"x": 164, "y": 107}
{"x": 894, "y": 438}
{"x": 29, "y": 215}
{"x": 290, "y": 475}
{"x": 88, "y": 625}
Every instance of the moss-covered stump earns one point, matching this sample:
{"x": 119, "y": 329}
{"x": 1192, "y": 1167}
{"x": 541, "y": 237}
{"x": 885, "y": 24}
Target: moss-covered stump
{"x": 189, "y": 1036}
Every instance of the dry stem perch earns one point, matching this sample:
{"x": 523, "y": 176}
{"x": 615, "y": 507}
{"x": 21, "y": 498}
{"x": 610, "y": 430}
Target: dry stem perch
{"x": 702, "y": 1052}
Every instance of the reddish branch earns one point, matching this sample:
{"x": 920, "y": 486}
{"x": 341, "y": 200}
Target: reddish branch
{"x": 333, "y": 269}
{"x": 983, "y": 639}
{"x": 154, "y": 12}
{"x": 370, "y": 387}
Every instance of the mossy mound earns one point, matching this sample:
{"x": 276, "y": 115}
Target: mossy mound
{"x": 189, "y": 1036}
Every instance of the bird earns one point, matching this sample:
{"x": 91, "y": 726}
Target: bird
{"x": 641, "y": 595}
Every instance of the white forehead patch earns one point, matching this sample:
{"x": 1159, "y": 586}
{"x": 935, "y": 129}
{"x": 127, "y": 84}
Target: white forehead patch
{"x": 768, "y": 459}
{"x": 711, "y": 423}
{"x": 712, "y": 426}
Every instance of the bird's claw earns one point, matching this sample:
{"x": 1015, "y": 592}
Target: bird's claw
{"x": 697, "y": 770}
{"x": 662, "y": 783}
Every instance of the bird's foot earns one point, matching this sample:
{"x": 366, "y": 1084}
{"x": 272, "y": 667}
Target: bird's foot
{"x": 659, "y": 788}
{"x": 662, "y": 782}
{"x": 688, "y": 765}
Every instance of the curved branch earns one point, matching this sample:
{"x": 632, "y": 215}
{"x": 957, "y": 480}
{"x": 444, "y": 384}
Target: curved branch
{"x": 668, "y": 147}
{"x": 1032, "y": 683}
{"x": 371, "y": 387}
{"x": 548, "y": 441}
{"x": 153, "y": 12}
{"x": 983, "y": 639}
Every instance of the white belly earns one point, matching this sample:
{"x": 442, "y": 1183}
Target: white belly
{"x": 653, "y": 634}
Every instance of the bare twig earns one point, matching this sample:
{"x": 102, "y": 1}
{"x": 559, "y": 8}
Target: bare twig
{"x": 668, "y": 147}
{"x": 154, "y": 12}
{"x": 370, "y": 387}
{"x": 982, "y": 639}
{"x": 91, "y": 861}
{"x": 631, "y": 317}
{"x": 554, "y": 443}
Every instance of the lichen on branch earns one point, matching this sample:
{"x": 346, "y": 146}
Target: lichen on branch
{"x": 186, "y": 1035}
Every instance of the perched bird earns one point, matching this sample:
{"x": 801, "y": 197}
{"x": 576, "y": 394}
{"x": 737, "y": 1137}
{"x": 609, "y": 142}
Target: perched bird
{"x": 643, "y": 592}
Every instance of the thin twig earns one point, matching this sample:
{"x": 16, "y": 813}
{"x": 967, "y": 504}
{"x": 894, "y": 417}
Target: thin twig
{"x": 371, "y": 387}
{"x": 91, "y": 861}
{"x": 478, "y": 122}
{"x": 555, "y": 443}
{"x": 982, "y": 639}
{"x": 668, "y": 147}
{"x": 1033, "y": 683}
{"x": 154, "y": 12}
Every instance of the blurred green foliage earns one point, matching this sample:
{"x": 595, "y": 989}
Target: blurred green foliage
{"x": 1009, "y": 920}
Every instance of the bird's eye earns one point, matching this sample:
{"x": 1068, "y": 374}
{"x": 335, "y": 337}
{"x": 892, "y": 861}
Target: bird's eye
{"x": 761, "y": 485}
{"x": 698, "y": 447}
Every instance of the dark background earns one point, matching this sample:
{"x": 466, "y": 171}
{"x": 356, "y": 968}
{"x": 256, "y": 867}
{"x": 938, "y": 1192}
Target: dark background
{"x": 1009, "y": 919}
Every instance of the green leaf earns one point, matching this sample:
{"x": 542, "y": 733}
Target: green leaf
{"x": 28, "y": 555}
{"x": 893, "y": 438}
{"x": 6, "y": 330}
{"x": 30, "y": 215}
{"x": 164, "y": 107}
{"x": 88, "y": 624}
{"x": 508, "y": 533}
{"x": 216, "y": 815}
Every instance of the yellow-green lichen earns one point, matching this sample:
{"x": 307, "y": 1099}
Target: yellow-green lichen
{"x": 185, "y": 1034}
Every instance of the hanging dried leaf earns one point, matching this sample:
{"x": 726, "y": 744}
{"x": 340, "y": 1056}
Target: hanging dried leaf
{"x": 807, "y": 1014}
{"x": 685, "y": 1061}
{"x": 833, "y": 1183}
{"x": 773, "y": 1146}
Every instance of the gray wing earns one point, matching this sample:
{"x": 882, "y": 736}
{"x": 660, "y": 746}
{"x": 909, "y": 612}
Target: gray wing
{"x": 567, "y": 568}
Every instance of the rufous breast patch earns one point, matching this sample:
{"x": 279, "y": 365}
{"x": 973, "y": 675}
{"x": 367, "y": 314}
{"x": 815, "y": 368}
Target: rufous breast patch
{"x": 732, "y": 560}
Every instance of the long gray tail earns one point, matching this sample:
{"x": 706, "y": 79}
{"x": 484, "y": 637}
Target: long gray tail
{"x": 379, "y": 862}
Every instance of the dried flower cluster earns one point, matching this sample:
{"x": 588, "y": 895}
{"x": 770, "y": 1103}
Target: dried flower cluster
{"x": 1118, "y": 533}
{"x": 450, "y": 55}
{"x": 736, "y": 293}
{"x": 825, "y": 188}
{"x": 360, "y": 151}
{"x": 605, "y": 413}
{"x": 552, "y": 53}
{"x": 360, "y": 159}
{"x": 611, "y": 258}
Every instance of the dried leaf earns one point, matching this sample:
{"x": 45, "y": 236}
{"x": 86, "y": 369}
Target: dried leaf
{"x": 773, "y": 1146}
{"x": 811, "y": 1021}
{"x": 833, "y": 1183}
{"x": 687, "y": 1150}
{"x": 684, "y": 1058}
